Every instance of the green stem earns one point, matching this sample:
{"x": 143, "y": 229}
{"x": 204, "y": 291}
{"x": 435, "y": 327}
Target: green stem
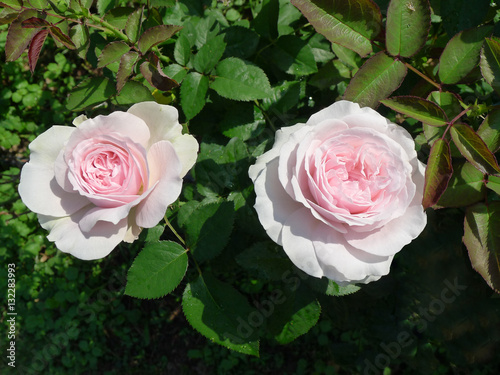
{"x": 174, "y": 231}
{"x": 107, "y": 26}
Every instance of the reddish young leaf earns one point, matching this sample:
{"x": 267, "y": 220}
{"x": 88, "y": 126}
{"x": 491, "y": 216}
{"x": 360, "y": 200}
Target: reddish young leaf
{"x": 112, "y": 52}
{"x": 420, "y": 109}
{"x": 473, "y": 148}
{"x": 127, "y": 63}
{"x": 36, "y": 47}
{"x": 18, "y": 38}
{"x": 155, "y": 35}
{"x": 156, "y": 77}
{"x": 58, "y": 35}
{"x": 482, "y": 239}
{"x": 437, "y": 173}
{"x": 34, "y": 23}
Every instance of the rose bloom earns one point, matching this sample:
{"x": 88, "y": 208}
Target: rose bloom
{"x": 99, "y": 183}
{"x": 341, "y": 193}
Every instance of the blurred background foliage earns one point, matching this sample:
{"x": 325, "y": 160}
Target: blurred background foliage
{"x": 433, "y": 314}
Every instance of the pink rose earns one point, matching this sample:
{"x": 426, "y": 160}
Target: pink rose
{"x": 99, "y": 183}
{"x": 342, "y": 193}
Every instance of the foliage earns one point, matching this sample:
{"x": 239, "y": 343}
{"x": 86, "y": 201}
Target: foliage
{"x": 238, "y": 71}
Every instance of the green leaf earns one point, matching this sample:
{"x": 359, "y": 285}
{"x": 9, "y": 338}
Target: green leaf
{"x": 294, "y": 56}
{"x": 14, "y": 4}
{"x": 79, "y": 34}
{"x": 493, "y": 183}
{"x": 266, "y": 22}
{"x": 264, "y": 259}
{"x": 18, "y": 38}
{"x": 112, "y": 52}
{"x": 418, "y": 108}
{"x": 461, "y": 54}
{"x": 220, "y": 313}
{"x": 350, "y": 23}
{"x": 118, "y": 17}
{"x": 473, "y": 148}
{"x": 157, "y": 270}
{"x": 242, "y": 120}
{"x": 466, "y": 187}
{"x": 104, "y": 6}
{"x": 407, "y": 26}
{"x": 133, "y": 25}
{"x": 437, "y": 173}
{"x": 127, "y": 64}
{"x": 208, "y": 230}
{"x": 489, "y": 130}
{"x": 193, "y": 94}
{"x": 156, "y": 35}
{"x": 175, "y": 72}
{"x": 295, "y": 316}
{"x": 209, "y": 55}
{"x": 490, "y": 62}
{"x": 241, "y": 42}
{"x": 375, "y": 80}
{"x": 447, "y": 101}
{"x": 240, "y": 80}
{"x": 182, "y": 50}
{"x": 133, "y": 92}
{"x": 482, "y": 239}
{"x": 90, "y": 92}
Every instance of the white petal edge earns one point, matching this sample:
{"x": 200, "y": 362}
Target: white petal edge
{"x": 68, "y": 237}
{"x": 186, "y": 148}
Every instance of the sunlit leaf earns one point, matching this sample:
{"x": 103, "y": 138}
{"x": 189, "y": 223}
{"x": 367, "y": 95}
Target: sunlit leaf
{"x": 407, "y": 26}
{"x": 437, "y": 173}
{"x": 133, "y": 25}
{"x": 209, "y": 55}
{"x": 193, "y": 94}
{"x": 62, "y": 38}
{"x": 239, "y": 80}
{"x": 79, "y": 34}
{"x": 466, "y": 187}
{"x": 375, "y": 80}
{"x": 350, "y": 23}
{"x": 294, "y": 56}
{"x": 220, "y": 313}
{"x": 493, "y": 183}
{"x": 89, "y": 93}
{"x": 417, "y": 108}
{"x": 482, "y": 238}
{"x": 489, "y": 130}
{"x": 18, "y": 38}
{"x": 35, "y": 48}
{"x": 104, "y": 5}
{"x": 156, "y": 35}
{"x": 473, "y": 148}
{"x": 461, "y": 54}
{"x": 133, "y": 92}
{"x": 448, "y": 101}
{"x": 112, "y": 52}
{"x": 157, "y": 270}
{"x": 490, "y": 62}
{"x": 127, "y": 64}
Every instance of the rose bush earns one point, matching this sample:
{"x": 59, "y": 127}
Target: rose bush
{"x": 341, "y": 193}
{"x": 99, "y": 183}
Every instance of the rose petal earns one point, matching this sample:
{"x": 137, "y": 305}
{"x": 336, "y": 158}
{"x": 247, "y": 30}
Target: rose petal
{"x": 186, "y": 147}
{"x": 164, "y": 171}
{"x": 38, "y": 187}
{"x": 68, "y": 237}
{"x": 273, "y": 204}
{"x": 162, "y": 120}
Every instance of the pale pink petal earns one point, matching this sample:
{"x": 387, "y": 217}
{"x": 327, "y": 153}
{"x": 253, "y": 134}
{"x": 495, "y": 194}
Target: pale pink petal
{"x": 296, "y": 236}
{"x": 164, "y": 175}
{"x": 186, "y": 148}
{"x": 344, "y": 263}
{"x": 337, "y": 110}
{"x": 162, "y": 120}
{"x": 38, "y": 188}
{"x": 68, "y": 237}
{"x": 273, "y": 204}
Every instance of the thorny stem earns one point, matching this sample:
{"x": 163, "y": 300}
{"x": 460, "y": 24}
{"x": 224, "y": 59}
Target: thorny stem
{"x": 416, "y": 71}
{"x": 455, "y": 119}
